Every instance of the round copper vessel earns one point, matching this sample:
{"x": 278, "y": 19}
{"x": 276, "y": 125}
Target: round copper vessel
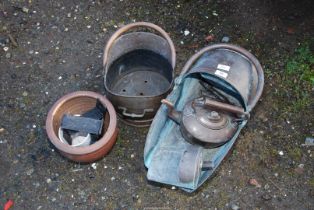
{"x": 78, "y": 103}
{"x": 139, "y": 71}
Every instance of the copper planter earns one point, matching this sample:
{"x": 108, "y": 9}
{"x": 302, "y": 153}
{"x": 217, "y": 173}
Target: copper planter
{"x": 78, "y": 103}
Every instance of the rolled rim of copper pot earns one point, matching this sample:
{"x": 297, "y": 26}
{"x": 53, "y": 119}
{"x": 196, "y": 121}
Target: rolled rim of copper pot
{"x": 103, "y": 141}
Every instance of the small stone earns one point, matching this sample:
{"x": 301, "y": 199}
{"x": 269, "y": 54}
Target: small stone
{"x": 22, "y": 105}
{"x": 25, "y": 9}
{"x": 29, "y": 171}
{"x": 94, "y": 166}
{"x": 104, "y": 30}
{"x": 254, "y": 182}
{"x": 263, "y": 117}
{"x": 132, "y": 156}
{"x": 181, "y": 42}
{"x": 88, "y": 26}
{"x": 66, "y": 29}
{"x": 266, "y": 197}
{"x": 280, "y": 153}
{"x": 113, "y": 178}
{"x": 215, "y": 13}
{"x": 60, "y": 77}
{"x": 266, "y": 187}
{"x": 25, "y": 93}
{"x": 69, "y": 15}
{"x": 235, "y": 207}
{"x": 276, "y": 174}
{"x": 48, "y": 180}
{"x": 309, "y": 141}
{"x": 186, "y": 32}
{"x": 8, "y": 55}
{"x": 225, "y": 39}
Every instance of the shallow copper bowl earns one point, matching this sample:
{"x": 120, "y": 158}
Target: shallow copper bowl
{"x": 78, "y": 103}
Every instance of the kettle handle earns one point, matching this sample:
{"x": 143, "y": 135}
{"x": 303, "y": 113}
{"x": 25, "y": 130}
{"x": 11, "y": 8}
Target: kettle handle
{"x": 204, "y": 101}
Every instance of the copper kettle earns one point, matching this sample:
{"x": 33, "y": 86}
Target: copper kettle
{"x": 207, "y": 122}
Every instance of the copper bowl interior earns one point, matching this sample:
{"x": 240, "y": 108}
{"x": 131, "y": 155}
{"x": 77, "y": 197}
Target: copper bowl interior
{"x": 73, "y": 106}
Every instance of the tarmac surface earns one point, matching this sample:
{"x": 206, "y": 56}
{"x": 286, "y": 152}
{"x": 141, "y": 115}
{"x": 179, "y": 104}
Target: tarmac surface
{"x": 50, "y": 48}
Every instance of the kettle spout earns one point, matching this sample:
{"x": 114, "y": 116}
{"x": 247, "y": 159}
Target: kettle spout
{"x": 172, "y": 113}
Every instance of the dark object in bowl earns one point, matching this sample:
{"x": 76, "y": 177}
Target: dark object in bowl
{"x": 78, "y": 103}
{"x": 83, "y": 124}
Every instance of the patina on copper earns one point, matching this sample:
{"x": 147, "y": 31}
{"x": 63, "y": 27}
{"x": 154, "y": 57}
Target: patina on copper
{"x": 78, "y": 103}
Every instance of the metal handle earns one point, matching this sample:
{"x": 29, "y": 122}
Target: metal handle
{"x": 172, "y": 113}
{"x": 125, "y": 28}
{"x": 240, "y": 50}
{"x": 204, "y": 101}
{"x": 133, "y": 115}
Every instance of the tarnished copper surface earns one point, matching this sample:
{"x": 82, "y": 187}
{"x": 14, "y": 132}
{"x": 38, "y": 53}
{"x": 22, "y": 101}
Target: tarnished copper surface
{"x": 202, "y": 125}
{"x": 78, "y": 103}
{"x": 256, "y": 94}
{"x": 136, "y": 102}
